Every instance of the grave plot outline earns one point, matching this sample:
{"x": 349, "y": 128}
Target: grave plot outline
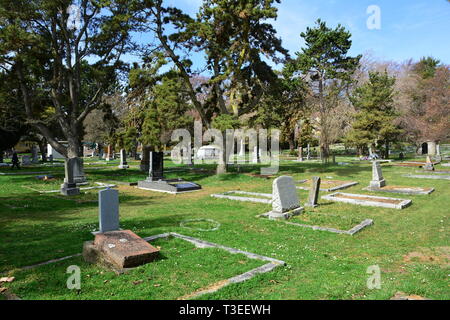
{"x": 345, "y": 185}
{"x": 368, "y": 203}
{"x": 271, "y": 264}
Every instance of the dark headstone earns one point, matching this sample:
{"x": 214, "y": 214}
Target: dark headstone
{"x": 123, "y": 160}
{"x": 69, "y": 187}
{"x": 314, "y": 192}
{"x": 156, "y": 182}
{"x": 156, "y": 166}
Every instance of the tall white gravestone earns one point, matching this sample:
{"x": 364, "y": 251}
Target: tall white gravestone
{"x": 377, "y": 176}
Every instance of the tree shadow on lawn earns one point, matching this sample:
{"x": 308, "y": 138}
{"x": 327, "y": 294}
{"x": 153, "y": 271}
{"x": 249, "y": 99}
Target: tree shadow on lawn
{"x": 25, "y": 245}
{"x": 34, "y": 207}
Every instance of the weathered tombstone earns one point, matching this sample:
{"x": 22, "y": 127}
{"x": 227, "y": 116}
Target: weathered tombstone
{"x": 123, "y": 160}
{"x": 26, "y": 160}
{"x": 285, "y": 201}
{"x": 78, "y": 171}
{"x": 35, "y": 155}
{"x": 108, "y": 210}
{"x": 377, "y": 176}
{"x": 429, "y": 164}
{"x": 69, "y": 187}
{"x": 314, "y": 192}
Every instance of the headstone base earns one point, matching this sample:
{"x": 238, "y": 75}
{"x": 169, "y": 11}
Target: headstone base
{"x": 69, "y": 189}
{"x": 119, "y": 250}
{"x": 284, "y": 216}
{"x": 169, "y": 186}
{"x": 377, "y": 184}
{"x": 311, "y": 205}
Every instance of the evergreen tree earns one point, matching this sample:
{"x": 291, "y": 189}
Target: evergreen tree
{"x": 326, "y": 66}
{"x": 374, "y": 123}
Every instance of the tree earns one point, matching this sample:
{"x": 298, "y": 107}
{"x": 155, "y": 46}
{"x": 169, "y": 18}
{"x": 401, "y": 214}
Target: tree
{"x": 327, "y": 68}
{"x": 233, "y": 35}
{"x": 74, "y": 65}
{"x": 374, "y": 123}
{"x": 428, "y": 113}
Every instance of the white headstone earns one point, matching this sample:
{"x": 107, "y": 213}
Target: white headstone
{"x": 284, "y": 195}
{"x": 377, "y": 176}
{"x": 108, "y": 209}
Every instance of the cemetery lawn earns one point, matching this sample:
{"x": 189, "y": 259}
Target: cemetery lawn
{"x": 411, "y": 246}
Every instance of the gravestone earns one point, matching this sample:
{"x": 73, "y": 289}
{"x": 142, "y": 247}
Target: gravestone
{"x": 156, "y": 166}
{"x": 377, "y": 176}
{"x": 156, "y": 182}
{"x": 69, "y": 187}
{"x": 123, "y": 160}
{"x": 314, "y": 192}
{"x": 401, "y": 156}
{"x": 35, "y": 156}
{"x": 429, "y": 164}
{"x": 26, "y": 160}
{"x": 285, "y": 201}
{"x": 78, "y": 171}
{"x": 108, "y": 210}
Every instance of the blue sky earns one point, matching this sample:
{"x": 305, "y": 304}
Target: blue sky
{"x": 409, "y": 28}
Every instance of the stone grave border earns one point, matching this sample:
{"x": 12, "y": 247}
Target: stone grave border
{"x": 166, "y": 191}
{"x": 428, "y": 176}
{"x": 352, "y": 231}
{"x": 214, "y": 222}
{"x": 101, "y": 185}
{"x": 403, "y": 204}
{"x": 201, "y": 244}
{"x": 402, "y": 190}
{"x": 227, "y": 195}
{"x": 346, "y": 185}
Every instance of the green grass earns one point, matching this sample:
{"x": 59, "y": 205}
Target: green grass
{"x": 38, "y": 227}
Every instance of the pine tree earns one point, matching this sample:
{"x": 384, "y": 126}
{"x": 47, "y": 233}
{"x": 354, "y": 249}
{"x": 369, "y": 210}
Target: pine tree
{"x": 374, "y": 123}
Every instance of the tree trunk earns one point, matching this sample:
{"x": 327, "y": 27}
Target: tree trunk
{"x": 386, "y": 155}
{"x": 42, "y": 149}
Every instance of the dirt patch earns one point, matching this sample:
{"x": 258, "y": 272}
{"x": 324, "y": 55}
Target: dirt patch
{"x": 404, "y": 296}
{"x": 437, "y": 255}
{"x": 405, "y": 188}
{"x": 214, "y": 287}
{"x": 368, "y": 199}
